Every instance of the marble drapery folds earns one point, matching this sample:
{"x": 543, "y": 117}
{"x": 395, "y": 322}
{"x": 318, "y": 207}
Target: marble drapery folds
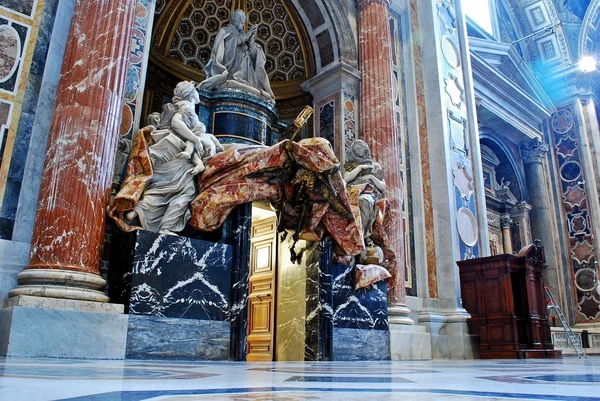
{"x": 279, "y": 173}
{"x": 246, "y": 173}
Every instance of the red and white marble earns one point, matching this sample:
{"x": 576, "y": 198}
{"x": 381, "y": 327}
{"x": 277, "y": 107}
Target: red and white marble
{"x": 77, "y": 175}
{"x": 377, "y": 122}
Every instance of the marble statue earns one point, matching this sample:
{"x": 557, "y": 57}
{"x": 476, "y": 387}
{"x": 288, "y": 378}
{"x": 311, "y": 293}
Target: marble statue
{"x": 365, "y": 176}
{"x": 360, "y": 169}
{"x": 166, "y": 156}
{"x": 237, "y": 61}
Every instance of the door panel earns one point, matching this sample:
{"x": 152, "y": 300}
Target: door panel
{"x": 261, "y": 300}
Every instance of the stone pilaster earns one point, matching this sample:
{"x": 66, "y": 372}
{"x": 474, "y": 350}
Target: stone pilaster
{"x": 575, "y": 144}
{"x": 377, "y": 123}
{"x": 450, "y": 137}
{"x": 76, "y": 180}
{"x": 335, "y": 98}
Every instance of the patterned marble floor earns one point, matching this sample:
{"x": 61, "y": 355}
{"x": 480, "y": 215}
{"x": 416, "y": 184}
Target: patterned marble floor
{"x": 75, "y": 380}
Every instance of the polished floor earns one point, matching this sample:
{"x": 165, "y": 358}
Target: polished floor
{"x": 75, "y": 380}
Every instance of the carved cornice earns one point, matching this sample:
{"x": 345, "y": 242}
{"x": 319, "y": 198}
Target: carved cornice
{"x": 533, "y": 151}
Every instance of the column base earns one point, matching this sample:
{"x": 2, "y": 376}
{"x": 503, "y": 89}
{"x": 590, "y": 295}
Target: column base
{"x": 399, "y": 314}
{"x": 65, "y": 330}
{"x": 450, "y": 338}
{"x": 62, "y": 284}
{"x": 409, "y": 343}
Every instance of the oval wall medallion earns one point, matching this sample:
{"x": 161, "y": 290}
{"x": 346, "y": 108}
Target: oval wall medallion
{"x": 466, "y": 224}
{"x": 570, "y": 171}
{"x": 586, "y": 279}
{"x": 450, "y": 52}
{"x": 562, "y": 121}
{"x": 11, "y": 51}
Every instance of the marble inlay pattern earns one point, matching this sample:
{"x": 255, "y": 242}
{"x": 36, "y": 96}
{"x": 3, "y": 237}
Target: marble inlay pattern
{"x": 576, "y": 214}
{"x": 19, "y": 25}
{"x": 458, "y": 132}
{"x": 22, "y": 7}
{"x": 326, "y": 122}
{"x": 13, "y": 41}
{"x": 84, "y": 380}
{"x": 134, "y": 84}
{"x": 349, "y": 119}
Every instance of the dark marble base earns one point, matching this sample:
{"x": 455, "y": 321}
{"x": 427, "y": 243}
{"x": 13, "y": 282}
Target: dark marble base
{"x": 236, "y": 117}
{"x": 361, "y": 345}
{"x": 150, "y": 337}
{"x": 171, "y": 276}
{"x": 365, "y": 308}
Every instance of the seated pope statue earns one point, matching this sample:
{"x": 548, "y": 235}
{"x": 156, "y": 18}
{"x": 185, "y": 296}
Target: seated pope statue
{"x": 237, "y": 61}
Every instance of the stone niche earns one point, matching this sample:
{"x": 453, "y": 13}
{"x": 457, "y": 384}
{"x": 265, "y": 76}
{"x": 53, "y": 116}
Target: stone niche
{"x": 177, "y": 293}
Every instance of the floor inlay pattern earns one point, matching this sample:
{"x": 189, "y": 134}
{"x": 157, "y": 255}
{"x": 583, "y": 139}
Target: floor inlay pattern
{"x": 84, "y": 380}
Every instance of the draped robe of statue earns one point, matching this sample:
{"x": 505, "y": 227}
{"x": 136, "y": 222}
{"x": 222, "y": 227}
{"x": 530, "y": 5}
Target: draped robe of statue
{"x": 159, "y": 185}
{"x": 246, "y": 173}
{"x": 236, "y": 63}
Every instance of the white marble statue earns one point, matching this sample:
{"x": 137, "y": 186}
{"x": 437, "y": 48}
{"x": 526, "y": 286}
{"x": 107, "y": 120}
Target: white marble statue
{"x": 237, "y": 61}
{"x": 181, "y": 145}
{"x": 360, "y": 168}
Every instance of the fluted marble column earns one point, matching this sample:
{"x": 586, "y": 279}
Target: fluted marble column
{"x": 69, "y": 228}
{"x": 533, "y": 153}
{"x": 377, "y": 122}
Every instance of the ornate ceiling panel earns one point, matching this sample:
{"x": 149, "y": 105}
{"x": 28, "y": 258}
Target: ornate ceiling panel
{"x": 186, "y": 30}
{"x": 542, "y": 25}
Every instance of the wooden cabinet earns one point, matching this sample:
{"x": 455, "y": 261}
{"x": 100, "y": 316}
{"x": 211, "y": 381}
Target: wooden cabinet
{"x": 505, "y": 296}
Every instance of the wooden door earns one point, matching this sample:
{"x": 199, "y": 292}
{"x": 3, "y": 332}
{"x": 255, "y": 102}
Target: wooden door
{"x": 261, "y": 299}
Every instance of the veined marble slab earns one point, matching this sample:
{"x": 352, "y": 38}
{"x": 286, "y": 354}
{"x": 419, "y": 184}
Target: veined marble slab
{"x": 151, "y": 337}
{"x": 171, "y": 276}
{"x": 365, "y": 308}
{"x": 361, "y": 345}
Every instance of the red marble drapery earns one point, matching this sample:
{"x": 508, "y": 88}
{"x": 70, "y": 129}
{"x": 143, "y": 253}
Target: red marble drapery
{"x": 377, "y": 121}
{"x": 78, "y": 170}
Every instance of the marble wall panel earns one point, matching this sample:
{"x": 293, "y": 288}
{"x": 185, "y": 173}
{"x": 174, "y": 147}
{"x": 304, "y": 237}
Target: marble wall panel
{"x": 430, "y": 247}
{"x": 171, "y": 276}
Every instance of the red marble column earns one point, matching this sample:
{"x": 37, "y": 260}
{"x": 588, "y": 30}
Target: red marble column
{"x": 377, "y": 120}
{"x": 76, "y": 180}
